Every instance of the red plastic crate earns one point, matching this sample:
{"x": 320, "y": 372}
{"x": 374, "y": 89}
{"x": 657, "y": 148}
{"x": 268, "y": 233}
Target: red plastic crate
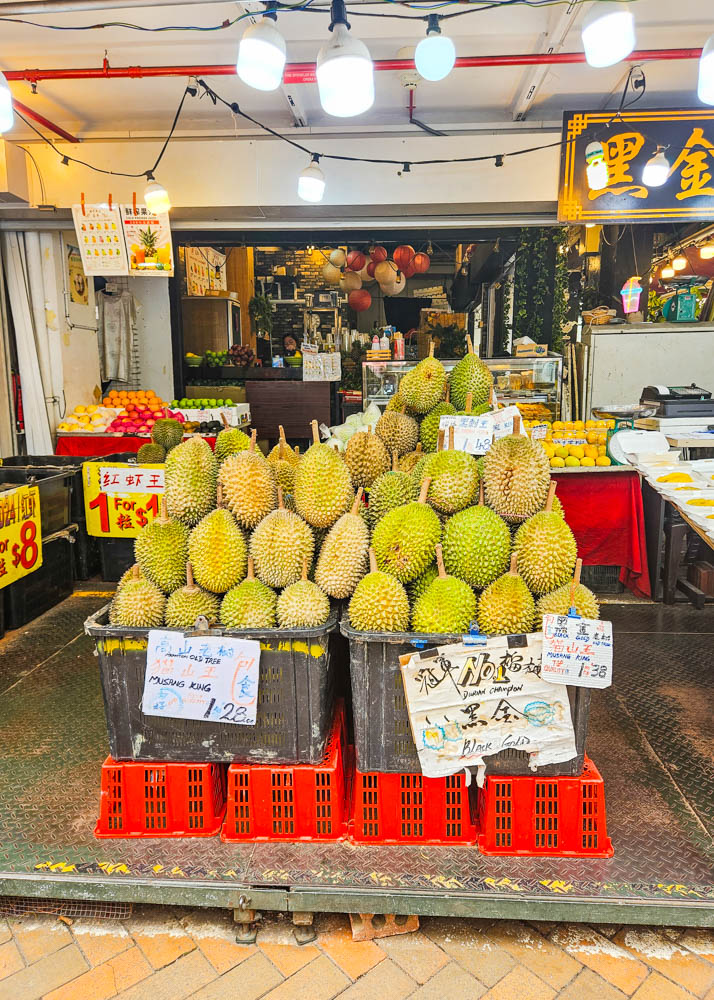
{"x": 161, "y": 800}
{"x": 290, "y": 801}
{"x": 409, "y": 808}
{"x": 563, "y": 817}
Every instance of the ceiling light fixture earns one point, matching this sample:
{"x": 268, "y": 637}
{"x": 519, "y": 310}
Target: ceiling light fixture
{"x": 608, "y": 34}
{"x": 656, "y": 171}
{"x": 7, "y": 115}
{"x": 311, "y": 182}
{"x": 706, "y": 252}
{"x": 262, "y": 52}
{"x": 435, "y": 55}
{"x": 345, "y": 73}
{"x": 667, "y": 271}
{"x": 705, "y": 86}
{"x": 156, "y": 197}
{"x": 679, "y": 263}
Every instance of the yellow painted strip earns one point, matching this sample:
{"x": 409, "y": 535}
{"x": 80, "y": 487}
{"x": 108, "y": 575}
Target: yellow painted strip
{"x": 93, "y": 593}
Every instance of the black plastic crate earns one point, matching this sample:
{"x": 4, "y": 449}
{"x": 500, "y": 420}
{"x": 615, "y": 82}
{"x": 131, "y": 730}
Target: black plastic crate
{"x": 602, "y": 579}
{"x": 296, "y": 697}
{"x": 116, "y": 556}
{"x": 55, "y": 488}
{"x": 30, "y": 597}
{"x": 383, "y": 736}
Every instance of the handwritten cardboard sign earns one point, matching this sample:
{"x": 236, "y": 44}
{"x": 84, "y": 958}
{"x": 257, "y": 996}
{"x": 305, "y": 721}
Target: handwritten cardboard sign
{"x": 577, "y": 651}
{"x": 468, "y": 701}
{"x": 206, "y": 678}
{"x": 471, "y": 433}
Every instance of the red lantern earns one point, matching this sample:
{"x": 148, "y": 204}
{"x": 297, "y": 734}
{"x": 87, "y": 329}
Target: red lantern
{"x": 378, "y": 254}
{"x": 370, "y": 267}
{"x": 359, "y": 300}
{"x": 409, "y": 270}
{"x": 356, "y": 260}
{"x": 403, "y": 256}
{"x": 421, "y": 262}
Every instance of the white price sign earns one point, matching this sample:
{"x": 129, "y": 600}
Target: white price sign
{"x": 203, "y": 677}
{"x": 503, "y": 422}
{"x": 577, "y": 651}
{"x": 471, "y": 433}
{"x": 130, "y": 479}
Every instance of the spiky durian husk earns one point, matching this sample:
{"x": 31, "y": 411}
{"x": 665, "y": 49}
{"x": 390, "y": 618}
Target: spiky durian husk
{"x": 447, "y": 605}
{"x": 230, "y": 441}
{"x": 187, "y": 604}
{"x": 217, "y": 550}
{"x": 249, "y": 605}
{"x": 303, "y": 605}
{"x": 405, "y": 539}
{"x": 422, "y": 583}
{"x": 408, "y": 461}
{"x": 471, "y": 375}
{"x": 278, "y": 546}
{"x": 366, "y": 457}
{"x": 323, "y": 488}
{"x": 425, "y": 385}
{"x": 396, "y": 403}
{"x": 558, "y": 603}
{"x": 249, "y": 487}
{"x": 190, "y": 481}
{"x": 398, "y": 432}
{"x": 546, "y": 552}
{"x": 151, "y": 454}
{"x": 516, "y": 475}
{"x": 429, "y": 427}
{"x": 393, "y": 489}
{"x": 506, "y": 607}
{"x": 379, "y": 604}
{"x": 343, "y": 557}
{"x": 477, "y": 546}
{"x": 138, "y": 604}
{"x": 168, "y": 433}
{"x": 161, "y": 550}
{"x": 454, "y": 480}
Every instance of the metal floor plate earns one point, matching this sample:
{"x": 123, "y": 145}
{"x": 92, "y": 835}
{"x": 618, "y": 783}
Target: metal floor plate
{"x": 650, "y": 735}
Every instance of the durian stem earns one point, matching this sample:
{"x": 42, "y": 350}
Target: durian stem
{"x": 418, "y": 448}
{"x": 281, "y": 448}
{"x": 440, "y": 440}
{"x": 448, "y": 392}
{"x": 281, "y": 505}
{"x": 469, "y": 344}
{"x": 135, "y": 572}
{"x": 424, "y": 491}
{"x": 253, "y": 439}
{"x": 297, "y": 450}
{"x": 315, "y": 432}
{"x": 575, "y": 582}
{"x": 440, "y": 563}
{"x": 551, "y": 495}
{"x": 451, "y": 437}
{"x": 224, "y": 420}
{"x": 281, "y": 432}
{"x": 432, "y": 345}
{"x": 164, "y": 511}
{"x": 372, "y": 561}
{"x": 469, "y": 401}
{"x": 514, "y": 564}
{"x": 492, "y": 398}
{"x": 250, "y": 575}
{"x": 219, "y": 495}
{"x": 516, "y": 425}
{"x": 358, "y": 501}
{"x": 304, "y": 568}
{"x": 480, "y": 493}
{"x": 190, "y": 583}
{"x": 395, "y": 461}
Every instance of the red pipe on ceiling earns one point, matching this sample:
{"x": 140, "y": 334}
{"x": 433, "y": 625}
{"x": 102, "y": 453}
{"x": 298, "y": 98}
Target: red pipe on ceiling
{"x": 41, "y": 120}
{"x": 305, "y": 72}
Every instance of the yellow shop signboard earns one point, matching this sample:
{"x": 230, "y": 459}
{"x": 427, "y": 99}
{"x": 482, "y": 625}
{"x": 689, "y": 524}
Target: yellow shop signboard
{"x": 20, "y": 534}
{"x": 119, "y": 499}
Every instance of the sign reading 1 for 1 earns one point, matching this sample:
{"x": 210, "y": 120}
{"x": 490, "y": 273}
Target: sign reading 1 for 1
{"x": 120, "y": 499}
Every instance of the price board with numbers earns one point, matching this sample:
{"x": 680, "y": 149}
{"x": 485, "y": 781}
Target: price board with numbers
{"x": 577, "y": 651}
{"x": 20, "y": 534}
{"x": 119, "y": 499}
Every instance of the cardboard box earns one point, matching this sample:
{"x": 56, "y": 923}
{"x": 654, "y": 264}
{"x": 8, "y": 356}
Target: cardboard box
{"x": 531, "y": 350}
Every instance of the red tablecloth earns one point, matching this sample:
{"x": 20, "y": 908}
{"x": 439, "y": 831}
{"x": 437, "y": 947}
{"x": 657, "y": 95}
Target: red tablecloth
{"x": 95, "y": 445}
{"x": 604, "y": 510}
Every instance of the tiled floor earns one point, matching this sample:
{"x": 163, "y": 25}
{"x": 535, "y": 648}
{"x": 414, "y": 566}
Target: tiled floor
{"x": 162, "y": 953}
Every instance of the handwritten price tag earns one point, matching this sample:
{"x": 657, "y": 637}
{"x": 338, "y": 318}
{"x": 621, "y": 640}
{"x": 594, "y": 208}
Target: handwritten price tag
{"x": 577, "y": 651}
{"x": 206, "y": 678}
{"x": 503, "y": 422}
{"x": 471, "y": 434}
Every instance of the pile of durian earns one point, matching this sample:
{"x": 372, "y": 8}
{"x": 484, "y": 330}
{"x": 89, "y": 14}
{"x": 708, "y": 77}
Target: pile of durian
{"x": 415, "y": 535}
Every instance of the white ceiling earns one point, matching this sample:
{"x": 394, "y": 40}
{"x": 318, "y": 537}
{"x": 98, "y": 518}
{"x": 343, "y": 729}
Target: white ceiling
{"x": 468, "y": 98}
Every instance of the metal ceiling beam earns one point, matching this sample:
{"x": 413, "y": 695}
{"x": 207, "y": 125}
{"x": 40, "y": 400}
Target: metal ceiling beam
{"x": 41, "y": 120}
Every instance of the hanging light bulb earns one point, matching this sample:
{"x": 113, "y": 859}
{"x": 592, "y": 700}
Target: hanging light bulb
{"x": 311, "y": 182}
{"x": 596, "y": 168}
{"x": 608, "y": 34}
{"x": 261, "y": 53}
{"x": 589, "y": 225}
{"x": 706, "y": 252}
{"x": 679, "y": 263}
{"x": 705, "y": 87}
{"x": 667, "y": 271}
{"x": 345, "y": 74}
{"x": 435, "y": 55}
{"x": 7, "y": 115}
{"x": 156, "y": 197}
{"x": 656, "y": 171}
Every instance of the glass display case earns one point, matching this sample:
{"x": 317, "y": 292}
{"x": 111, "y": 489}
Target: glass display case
{"x": 534, "y": 383}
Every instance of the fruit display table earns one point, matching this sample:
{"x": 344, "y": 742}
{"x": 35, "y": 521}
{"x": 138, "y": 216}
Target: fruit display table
{"x": 94, "y": 445}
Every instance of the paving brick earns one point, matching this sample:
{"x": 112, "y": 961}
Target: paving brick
{"x": 334, "y": 937}
{"x": 160, "y": 936}
{"x": 416, "y": 954}
{"x": 320, "y": 980}
{"x": 615, "y": 964}
{"x": 44, "y": 975}
{"x": 656, "y": 987}
{"x": 385, "y": 982}
{"x": 700, "y": 940}
{"x": 453, "y": 982}
{"x": 520, "y": 984}
{"x": 656, "y": 950}
{"x": 468, "y": 943}
{"x": 38, "y": 936}
{"x": 288, "y": 958}
{"x": 537, "y": 953}
{"x": 10, "y": 959}
{"x": 368, "y": 926}
{"x": 97, "y": 984}
{"x": 128, "y": 968}
{"x": 589, "y": 986}
{"x": 100, "y": 940}
{"x": 251, "y": 980}
{"x": 5, "y": 932}
{"x": 177, "y": 981}
{"x": 214, "y": 931}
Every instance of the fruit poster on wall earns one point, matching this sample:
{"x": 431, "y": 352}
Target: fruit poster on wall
{"x": 120, "y": 499}
{"x": 148, "y": 239}
{"x": 20, "y": 534}
{"x": 101, "y": 239}
{"x": 205, "y": 270}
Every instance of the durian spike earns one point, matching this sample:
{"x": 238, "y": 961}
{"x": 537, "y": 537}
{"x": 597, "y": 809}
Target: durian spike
{"x": 190, "y": 583}
{"x": 432, "y": 345}
{"x": 440, "y": 562}
{"x": 469, "y": 401}
{"x": 423, "y": 492}
{"x": 513, "y": 571}
{"x": 440, "y": 440}
{"x": 395, "y": 461}
{"x": 304, "y": 569}
{"x": 469, "y": 344}
{"x": 418, "y": 448}
{"x": 575, "y": 581}
{"x": 315, "y": 432}
{"x": 281, "y": 505}
{"x": 219, "y": 495}
{"x": 250, "y": 575}
{"x": 516, "y": 425}
{"x": 480, "y": 493}
{"x": 451, "y": 437}
{"x": 253, "y": 439}
{"x": 372, "y": 561}
{"x": 357, "y": 502}
{"x": 551, "y": 494}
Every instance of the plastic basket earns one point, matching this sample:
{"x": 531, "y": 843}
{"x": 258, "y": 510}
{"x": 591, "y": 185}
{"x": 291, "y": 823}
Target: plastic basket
{"x": 602, "y": 579}
{"x": 55, "y": 488}
{"x": 34, "y": 594}
{"x": 563, "y": 817}
{"x": 382, "y": 732}
{"x": 295, "y": 700}
{"x": 292, "y": 802}
{"x": 161, "y": 800}
{"x": 409, "y": 808}
{"x": 116, "y": 556}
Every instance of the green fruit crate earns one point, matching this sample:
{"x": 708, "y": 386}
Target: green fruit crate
{"x": 296, "y": 696}
{"x": 382, "y": 732}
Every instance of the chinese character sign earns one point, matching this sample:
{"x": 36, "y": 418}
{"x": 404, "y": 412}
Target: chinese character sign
{"x": 101, "y": 239}
{"x": 468, "y": 701}
{"x": 120, "y": 499}
{"x": 20, "y": 533}
{"x": 611, "y": 188}
{"x": 577, "y": 651}
{"x": 148, "y": 238}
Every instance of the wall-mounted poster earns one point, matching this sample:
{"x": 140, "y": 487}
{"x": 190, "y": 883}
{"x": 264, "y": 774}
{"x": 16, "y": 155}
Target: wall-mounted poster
{"x": 205, "y": 270}
{"x": 78, "y": 287}
{"x": 101, "y": 239}
{"x": 148, "y": 239}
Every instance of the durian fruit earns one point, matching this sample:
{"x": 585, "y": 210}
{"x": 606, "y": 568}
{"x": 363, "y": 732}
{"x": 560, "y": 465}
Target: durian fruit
{"x": 249, "y": 605}
{"x": 230, "y": 441}
{"x": 454, "y": 478}
{"x": 285, "y": 461}
{"x": 422, "y": 583}
{"x": 391, "y": 490}
{"x": 417, "y": 472}
{"x": 516, "y": 473}
{"x": 398, "y": 431}
{"x": 190, "y": 480}
{"x": 366, "y": 457}
{"x": 573, "y": 594}
{"x": 323, "y": 487}
{"x": 506, "y": 606}
{"x": 404, "y": 540}
{"x": 249, "y": 488}
{"x": 447, "y": 605}
{"x": 150, "y": 454}
{"x": 408, "y": 461}
{"x": 279, "y": 545}
{"x": 282, "y": 450}
{"x": 343, "y": 556}
{"x": 379, "y": 603}
{"x": 138, "y": 603}
{"x": 217, "y": 550}
{"x": 396, "y": 402}
{"x": 470, "y": 375}
{"x": 167, "y": 432}
{"x": 129, "y": 575}
{"x": 429, "y": 428}
{"x": 161, "y": 550}
{"x": 188, "y": 603}
{"x": 303, "y": 604}
{"x": 477, "y": 545}
{"x": 546, "y": 550}
{"x": 473, "y": 411}
{"x": 424, "y": 387}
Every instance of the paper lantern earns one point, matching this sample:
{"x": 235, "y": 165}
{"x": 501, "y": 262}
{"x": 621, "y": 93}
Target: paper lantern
{"x": 371, "y": 267}
{"x": 331, "y": 274}
{"x": 359, "y": 300}
{"x": 403, "y": 256}
{"x": 366, "y": 275}
{"x": 378, "y": 254}
{"x": 421, "y": 262}
{"x": 385, "y": 272}
{"x": 338, "y": 258}
{"x": 395, "y": 287}
{"x": 350, "y": 281}
{"x": 409, "y": 271}
{"x": 356, "y": 260}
